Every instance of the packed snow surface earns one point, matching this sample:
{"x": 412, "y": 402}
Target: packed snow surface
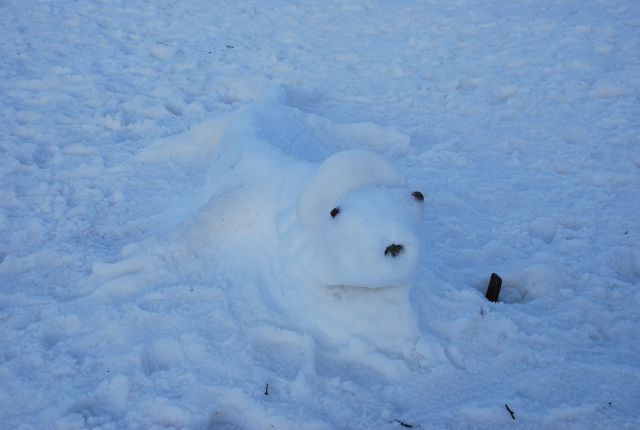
{"x": 170, "y": 256}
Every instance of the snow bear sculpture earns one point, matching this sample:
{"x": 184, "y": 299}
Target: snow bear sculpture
{"x": 335, "y": 241}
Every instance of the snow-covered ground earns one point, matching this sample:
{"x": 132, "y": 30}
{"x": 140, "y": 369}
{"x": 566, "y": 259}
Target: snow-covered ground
{"x": 143, "y": 286}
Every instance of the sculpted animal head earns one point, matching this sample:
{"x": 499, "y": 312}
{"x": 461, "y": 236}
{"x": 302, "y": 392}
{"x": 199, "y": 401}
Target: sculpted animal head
{"x": 358, "y": 223}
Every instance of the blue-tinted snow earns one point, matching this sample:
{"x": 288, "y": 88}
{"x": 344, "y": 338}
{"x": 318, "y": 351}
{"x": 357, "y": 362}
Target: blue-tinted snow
{"x": 522, "y": 126}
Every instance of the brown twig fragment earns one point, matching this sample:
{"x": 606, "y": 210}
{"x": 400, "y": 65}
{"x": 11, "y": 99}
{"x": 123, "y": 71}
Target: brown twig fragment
{"x": 513, "y": 415}
{"x": 403, "y": 424}
{"x": 493, "y": 290}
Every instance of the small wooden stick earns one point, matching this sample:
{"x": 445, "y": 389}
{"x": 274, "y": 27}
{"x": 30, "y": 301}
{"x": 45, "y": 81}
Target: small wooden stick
{"x": 403, "y": 424}
{"x": 266, "y": 390}
{"x": 493, "y": 290}
{"x": 513, "y": 415}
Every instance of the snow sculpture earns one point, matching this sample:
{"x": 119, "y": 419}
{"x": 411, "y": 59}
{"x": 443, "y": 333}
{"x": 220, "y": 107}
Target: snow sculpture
{"x": 335, "y": 241}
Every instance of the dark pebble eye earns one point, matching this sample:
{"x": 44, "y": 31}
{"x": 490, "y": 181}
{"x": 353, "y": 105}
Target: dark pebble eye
{"x": 334, "y": 212}
{"x": 418, "y": 196}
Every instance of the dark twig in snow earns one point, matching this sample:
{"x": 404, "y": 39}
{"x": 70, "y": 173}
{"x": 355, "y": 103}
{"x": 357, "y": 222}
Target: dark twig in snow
{"x": 493, "y": 290}
{"x": 266, "y": 390}
{"x": 513, "y": 415}
{"x": 403, "y": 424}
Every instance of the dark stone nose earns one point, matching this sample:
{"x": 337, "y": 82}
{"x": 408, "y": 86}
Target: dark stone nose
{"x": 393, "y": 250}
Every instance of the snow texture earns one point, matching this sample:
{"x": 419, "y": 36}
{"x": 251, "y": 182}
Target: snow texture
{"x": 167, "y": 244}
